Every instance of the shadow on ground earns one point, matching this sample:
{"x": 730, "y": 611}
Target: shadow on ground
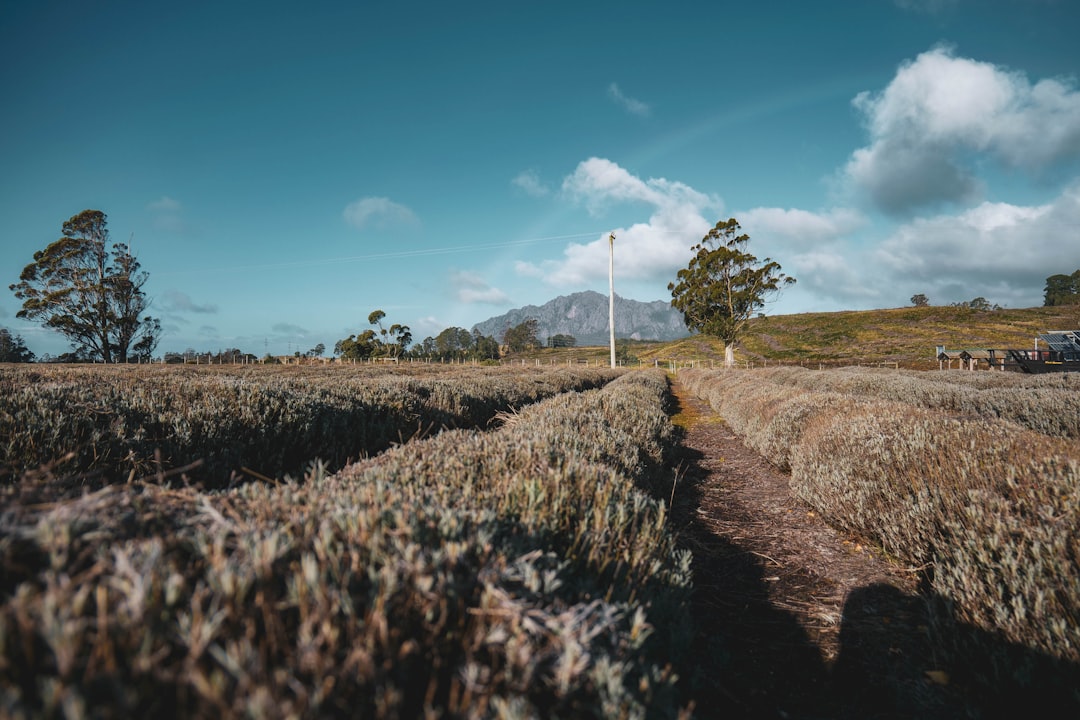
{"x": 754, "y": 659}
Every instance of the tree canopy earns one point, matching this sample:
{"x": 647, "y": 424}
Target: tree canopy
{"x": 90, "y": 293}
{"x": 387, "y": 342}
{"x": 1062, "y": 290}
{"x": 522, "y": 336}
{"x": 723, "y": 286}
{"x": 12, "y": 349}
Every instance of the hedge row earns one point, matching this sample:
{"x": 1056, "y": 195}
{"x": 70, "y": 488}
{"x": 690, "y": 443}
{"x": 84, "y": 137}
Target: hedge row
{"x": 115, "y": 423}
{"x": 515, "y": 573}
{"x": 988, "y": 510}
{"x": 1049, "y": 403}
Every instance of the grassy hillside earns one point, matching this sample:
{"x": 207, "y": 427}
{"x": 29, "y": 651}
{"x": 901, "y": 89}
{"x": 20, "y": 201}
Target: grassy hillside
{"x": 907, "y": 336}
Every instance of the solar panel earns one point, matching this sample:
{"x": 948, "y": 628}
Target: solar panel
{"x": 1067, "y": 341}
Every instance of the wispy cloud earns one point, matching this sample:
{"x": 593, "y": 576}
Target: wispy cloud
{"x": 652, "y": 250}
{"x": 929, "y": 7}
{"x": 378, "y": 212}
{"x": 289, "y": 329}
{"x": 631, "y": 105}
{"x": 942, "y": 114}
{"x": 168, "y": 215}
{"x": 470, "y": 288}
{"x": 529, "y": 181}
{"x": 176, "y": 301}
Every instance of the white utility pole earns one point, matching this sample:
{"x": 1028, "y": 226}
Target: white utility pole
{"x": 611, "y": 294}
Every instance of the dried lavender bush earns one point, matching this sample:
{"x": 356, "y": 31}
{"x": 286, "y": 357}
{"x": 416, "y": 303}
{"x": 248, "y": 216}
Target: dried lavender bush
{"x": 989, "y": 510}
{"x": 1049, "y": 404}
{"x": 514, "y": 573}
{"x": 114, "y": 420}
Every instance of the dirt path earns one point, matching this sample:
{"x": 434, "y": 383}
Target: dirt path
{"x": 796, "y": 620}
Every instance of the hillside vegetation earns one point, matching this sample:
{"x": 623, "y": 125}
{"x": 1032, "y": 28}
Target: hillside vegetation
{"x": 906, "y": 336}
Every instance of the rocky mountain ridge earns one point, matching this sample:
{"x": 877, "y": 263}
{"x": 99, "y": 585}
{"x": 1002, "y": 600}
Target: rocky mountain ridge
{"x": 584, "y": 315}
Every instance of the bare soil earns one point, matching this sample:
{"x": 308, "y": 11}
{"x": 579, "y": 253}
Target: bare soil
{"x": 795, "y": 620}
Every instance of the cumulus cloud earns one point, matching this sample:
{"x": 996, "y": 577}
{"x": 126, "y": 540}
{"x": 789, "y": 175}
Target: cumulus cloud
{"x": 816, "y": 248}
{"x": 999, "y": 251}
{"x": 801, "y": 226}
{"x": 469, "y": 287}
{"x": 655, "y": 249}
{"x": 940, "y": 111}
{"x": 631, "y": 105}
{"x": 529, "y": 182}
{"x": 378, "y": 212}
{"x": 176, "y": 301}
{"x": 834, "y": 273}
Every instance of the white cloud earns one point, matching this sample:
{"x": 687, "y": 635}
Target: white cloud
{"x": 939, "y": 111}
{"x": 801, "y": 226}
{"x": 168, "y": 215}
{"x": 655, "y": 249}
{"x": 631, "y": 105}
{"x": 996, "y": 250}
{"x": 379, "y": 212}
{"x": 529, "y": 181}
{"x": 164, "y": 204}
{"x": 834, "y": 273}
{"x": 469, "y": 287}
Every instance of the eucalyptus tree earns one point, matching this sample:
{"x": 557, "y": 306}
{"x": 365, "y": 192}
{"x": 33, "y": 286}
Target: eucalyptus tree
{"x": 90, "y": 293}
{"x": 724, "y": 285}
{"x": 12, "y": 348}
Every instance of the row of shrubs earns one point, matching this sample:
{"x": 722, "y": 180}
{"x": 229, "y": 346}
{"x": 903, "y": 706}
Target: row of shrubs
{"x": 520, "y": 572}
{"x": 987, "y": 510}
{"x": 1045, "y": 403}
{"x": 117, "y": 423}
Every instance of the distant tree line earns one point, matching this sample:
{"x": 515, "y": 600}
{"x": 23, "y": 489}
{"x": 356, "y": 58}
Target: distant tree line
{"x": 1062, "y": 290}
{"x": 12, "y": 349}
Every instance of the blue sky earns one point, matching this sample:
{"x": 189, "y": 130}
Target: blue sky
{"x": 283, "y": 169}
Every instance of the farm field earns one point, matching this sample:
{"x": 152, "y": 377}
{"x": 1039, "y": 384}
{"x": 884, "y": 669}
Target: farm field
{"x": 516, "y": 568}
{"x": 126, "y": 422}
{"x": 971, "y": 480}
{"x": 463, "y": 541}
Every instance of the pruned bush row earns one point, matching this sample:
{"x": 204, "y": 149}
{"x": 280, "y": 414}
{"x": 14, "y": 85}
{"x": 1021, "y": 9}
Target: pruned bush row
{"x": 989, "y": 510}
{"x": 119, "y": 422}
{"x": 1049, "y": 403}
{"x": 515, "y": 573}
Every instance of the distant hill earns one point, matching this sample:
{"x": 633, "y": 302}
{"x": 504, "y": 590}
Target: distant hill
{"x": 584, "y": 315}
{"x": 906, "y": 336}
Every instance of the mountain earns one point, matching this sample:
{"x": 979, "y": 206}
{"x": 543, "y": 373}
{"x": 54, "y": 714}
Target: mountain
{"x": 585, "y": 316}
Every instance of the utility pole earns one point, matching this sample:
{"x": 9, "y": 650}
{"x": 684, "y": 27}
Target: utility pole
{"x": 611, "y": 294}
